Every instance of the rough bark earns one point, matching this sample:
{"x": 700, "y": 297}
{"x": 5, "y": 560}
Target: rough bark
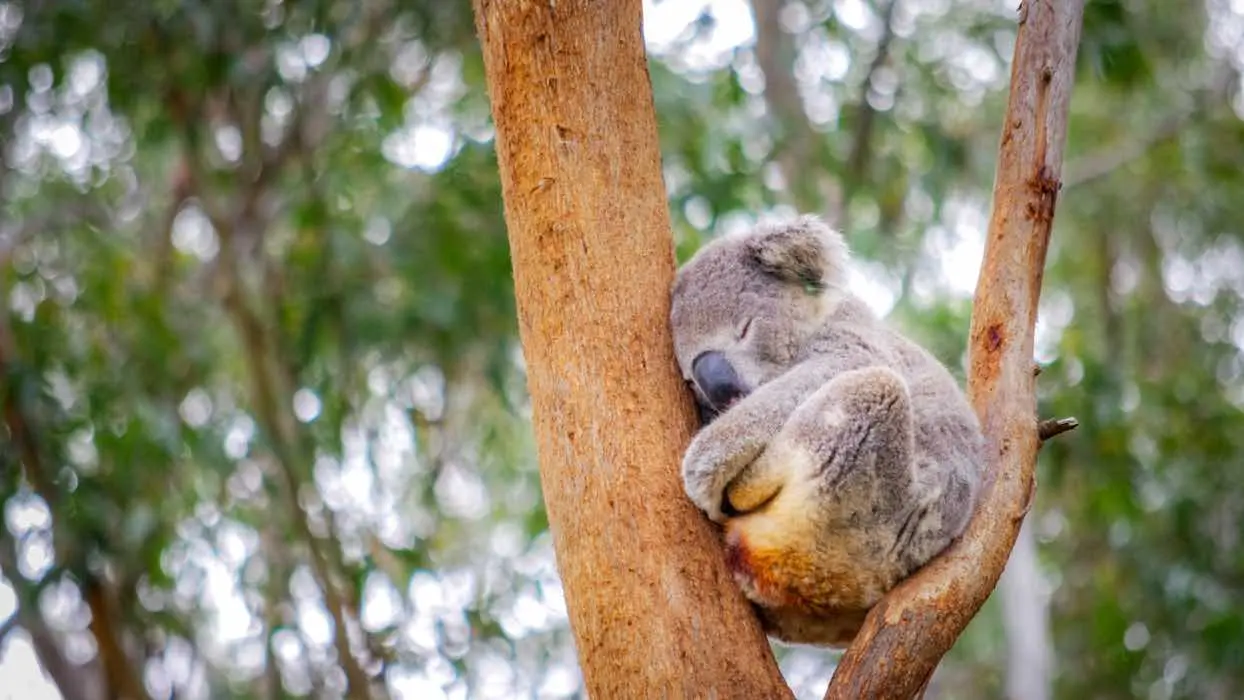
{"x": 908, "y": 632}
{"x": 653, "y": 610}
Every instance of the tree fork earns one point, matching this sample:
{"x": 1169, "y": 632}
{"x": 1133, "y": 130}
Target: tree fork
{"x": 908, "y": 632}
{"x": 652, "y": 607}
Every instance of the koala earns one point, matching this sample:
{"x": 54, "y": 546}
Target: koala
{"x": 838, "y": 455}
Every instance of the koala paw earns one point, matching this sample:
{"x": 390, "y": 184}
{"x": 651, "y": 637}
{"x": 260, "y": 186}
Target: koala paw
{"x": 714, "y": 458}
{"x": 703, "y": 481}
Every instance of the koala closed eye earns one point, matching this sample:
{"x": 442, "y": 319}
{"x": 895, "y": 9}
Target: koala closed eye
{"x": 744, "y": 328}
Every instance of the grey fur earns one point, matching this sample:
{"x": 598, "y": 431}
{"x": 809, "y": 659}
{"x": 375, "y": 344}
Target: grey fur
{"x": 854, "y": 452}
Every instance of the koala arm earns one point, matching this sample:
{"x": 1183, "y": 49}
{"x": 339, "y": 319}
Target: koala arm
{"x": 724, "y": 448}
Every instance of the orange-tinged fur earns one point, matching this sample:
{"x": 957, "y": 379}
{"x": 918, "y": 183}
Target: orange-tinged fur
{"x": 784, "y": 550}
{"x": 782, "y": 561}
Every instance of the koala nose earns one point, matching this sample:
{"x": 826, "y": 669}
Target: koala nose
{"x": 717, "y": 379}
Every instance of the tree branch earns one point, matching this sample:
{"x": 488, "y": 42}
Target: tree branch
{"x": 74, "y": 682}
{"x": 1101, "y": 163}
{"x": 908, "y": 632}
{"x": 120, "y": 674}
{"x": 240, "y": 231}
{"x": 269, "y": 400}
{"x": 797, "y": 140}
{"x": 1054, "y": 427}
{"x": 861, "y": 146}
{"x": 30, "y": 458}
{"x": 118, "y": 671}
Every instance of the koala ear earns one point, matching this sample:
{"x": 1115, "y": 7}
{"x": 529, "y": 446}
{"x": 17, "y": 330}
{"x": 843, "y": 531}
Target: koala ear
{"x": 804, "y": 251}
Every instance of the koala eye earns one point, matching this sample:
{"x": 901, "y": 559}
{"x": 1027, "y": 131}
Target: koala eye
{"x": 744, "y": 328}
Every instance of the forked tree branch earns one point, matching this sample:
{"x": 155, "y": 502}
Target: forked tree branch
{"x": 908, "y": 632}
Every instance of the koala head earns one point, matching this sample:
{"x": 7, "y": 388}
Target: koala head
{"x": 745, "y": 306}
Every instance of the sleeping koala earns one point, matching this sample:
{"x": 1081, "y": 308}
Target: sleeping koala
{"x": 839, "y": 455}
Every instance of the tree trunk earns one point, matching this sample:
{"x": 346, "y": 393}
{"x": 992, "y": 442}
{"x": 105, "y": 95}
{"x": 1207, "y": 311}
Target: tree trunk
{"x": 652, "y": 607}
{"x": 908, "y": 632}
{"x": 1025, "y": 613}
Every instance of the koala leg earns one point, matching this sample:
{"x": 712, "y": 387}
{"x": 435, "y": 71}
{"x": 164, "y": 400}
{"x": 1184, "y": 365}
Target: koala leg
{"x": 853, "y": 437}
{"x": 821, "y": 507}
{"x": 946, "y": 503}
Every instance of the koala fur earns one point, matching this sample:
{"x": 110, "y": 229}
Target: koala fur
{"x": 838, "y": 455}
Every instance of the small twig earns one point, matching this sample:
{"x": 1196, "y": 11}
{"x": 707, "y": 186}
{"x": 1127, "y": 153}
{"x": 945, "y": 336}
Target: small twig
{"x": 1054, "y": 427}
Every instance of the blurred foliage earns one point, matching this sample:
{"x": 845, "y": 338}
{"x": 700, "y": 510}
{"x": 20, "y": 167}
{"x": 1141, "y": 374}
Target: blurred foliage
{"x": 259, "y": 369}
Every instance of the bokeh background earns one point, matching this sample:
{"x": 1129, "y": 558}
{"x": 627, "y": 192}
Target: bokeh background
{"x": 264, "y": 422}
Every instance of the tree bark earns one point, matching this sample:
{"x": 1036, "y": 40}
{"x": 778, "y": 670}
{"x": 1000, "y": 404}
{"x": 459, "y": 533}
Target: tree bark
{"x": 908, "y": 632}
{"x": 653, "y": 610}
